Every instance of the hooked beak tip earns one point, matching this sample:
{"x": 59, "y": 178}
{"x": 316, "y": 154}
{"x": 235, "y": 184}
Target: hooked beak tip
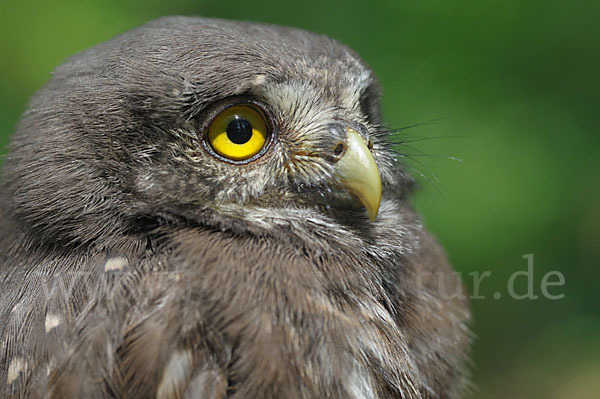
{"x": 358, "y": 172}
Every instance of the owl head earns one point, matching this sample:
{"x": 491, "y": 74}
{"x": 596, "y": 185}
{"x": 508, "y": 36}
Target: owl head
{"x": 232, "y": 126}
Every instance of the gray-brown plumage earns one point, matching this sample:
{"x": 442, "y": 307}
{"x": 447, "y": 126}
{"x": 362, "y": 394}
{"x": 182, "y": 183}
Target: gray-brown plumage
{"x": 137, "y": 261}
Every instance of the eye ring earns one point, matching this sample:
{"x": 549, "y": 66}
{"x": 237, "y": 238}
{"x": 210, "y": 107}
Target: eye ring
{"x": 224, "y": 109}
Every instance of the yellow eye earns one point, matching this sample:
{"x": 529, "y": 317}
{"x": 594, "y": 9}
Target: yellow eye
{"x": 238, "y": 133}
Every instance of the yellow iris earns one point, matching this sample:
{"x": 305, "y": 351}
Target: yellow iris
{"x": 238, "y": 133}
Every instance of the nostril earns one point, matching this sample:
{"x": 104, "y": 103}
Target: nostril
{"x": 338, "y": 149}
{"x": 370, "y": 144}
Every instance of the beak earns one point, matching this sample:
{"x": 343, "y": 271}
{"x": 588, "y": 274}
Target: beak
{"x": 358, "y": 172}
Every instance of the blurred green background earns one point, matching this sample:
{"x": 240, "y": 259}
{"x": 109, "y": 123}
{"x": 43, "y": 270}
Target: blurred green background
{"x": 514, "y": 168}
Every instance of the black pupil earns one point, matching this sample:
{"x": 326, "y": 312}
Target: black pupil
{"x": 239, "y": 131}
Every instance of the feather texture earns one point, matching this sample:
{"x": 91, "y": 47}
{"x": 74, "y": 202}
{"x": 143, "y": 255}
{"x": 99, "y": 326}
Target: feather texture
{"x": 134, "y": 264}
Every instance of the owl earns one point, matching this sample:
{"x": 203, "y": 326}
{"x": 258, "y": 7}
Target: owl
{"x": 201, "y": 208}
